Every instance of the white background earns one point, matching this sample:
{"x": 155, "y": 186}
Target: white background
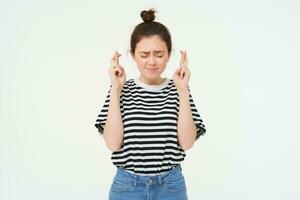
{"x": 54, "y": 60}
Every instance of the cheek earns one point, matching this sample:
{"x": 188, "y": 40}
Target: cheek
{"x": 141, "y": 62}
{"x": 163, "y": 61}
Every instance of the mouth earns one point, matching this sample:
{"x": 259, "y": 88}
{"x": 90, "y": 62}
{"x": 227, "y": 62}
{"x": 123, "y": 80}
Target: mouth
{"x": 151, "y": 69}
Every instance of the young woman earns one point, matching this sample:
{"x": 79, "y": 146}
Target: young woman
{"x": 149, "y": 121}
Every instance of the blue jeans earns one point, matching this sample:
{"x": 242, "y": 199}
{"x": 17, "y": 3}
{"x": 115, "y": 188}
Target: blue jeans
{"x": 169, "y": 185}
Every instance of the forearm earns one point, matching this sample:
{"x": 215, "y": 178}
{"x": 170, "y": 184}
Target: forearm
{"x": 186, "y": 128}
{"x": 113, "y": 129}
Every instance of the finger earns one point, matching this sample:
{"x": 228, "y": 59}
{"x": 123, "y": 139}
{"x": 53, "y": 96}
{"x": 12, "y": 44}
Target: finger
{"x": 182, "y": 73}
{"x": 185, "y": 62}
{"x": 186, "y": 57}
{"x": 117, "y": 55}
{"x": 113, "y": 63}
{"x": 115, "y": 59}
{"x": 181, "y": 58}
{"x": 118, "y": 72}
{"x": 122, "y": 68}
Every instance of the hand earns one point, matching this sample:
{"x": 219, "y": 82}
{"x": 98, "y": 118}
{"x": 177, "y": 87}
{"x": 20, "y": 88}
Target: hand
{"x": 182, "y": 75}
{"x": 117, "y": 73}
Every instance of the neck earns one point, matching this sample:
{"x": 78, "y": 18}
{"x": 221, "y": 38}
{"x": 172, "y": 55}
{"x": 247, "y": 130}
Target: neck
{"x": 156, "y": 81}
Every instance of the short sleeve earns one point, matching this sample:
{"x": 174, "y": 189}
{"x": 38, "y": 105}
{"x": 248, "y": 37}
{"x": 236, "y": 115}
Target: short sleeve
{"x": 201, "y": 129}
{"x": 102, "y": 116}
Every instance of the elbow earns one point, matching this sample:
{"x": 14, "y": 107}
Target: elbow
{"x": 187, "y": 142}
{"x": 112, "y": 143}
{"x": 187, "y": 146}
{"x": 113, "y": 147}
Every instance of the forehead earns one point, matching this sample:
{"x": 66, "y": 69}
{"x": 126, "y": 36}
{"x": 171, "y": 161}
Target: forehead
{"x": 155, "y": 51}
{"x": 152, "y": 43}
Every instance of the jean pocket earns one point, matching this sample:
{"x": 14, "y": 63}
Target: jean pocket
{"x": 175, "y": 185}
{"x": 119, "y": 186}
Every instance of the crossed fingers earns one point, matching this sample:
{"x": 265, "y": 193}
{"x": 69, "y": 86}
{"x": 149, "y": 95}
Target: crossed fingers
{"x": 115, "y": 60}
{"x": 183, "y": 59}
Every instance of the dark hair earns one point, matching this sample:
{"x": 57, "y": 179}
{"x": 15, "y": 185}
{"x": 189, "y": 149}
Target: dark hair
{"x": 149, "y": 28}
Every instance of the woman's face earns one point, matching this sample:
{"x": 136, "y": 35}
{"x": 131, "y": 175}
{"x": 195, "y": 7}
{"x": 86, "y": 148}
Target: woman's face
{"x": 151, "y": 56}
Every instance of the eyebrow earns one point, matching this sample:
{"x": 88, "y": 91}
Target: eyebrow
{"x": 158, "y": 51}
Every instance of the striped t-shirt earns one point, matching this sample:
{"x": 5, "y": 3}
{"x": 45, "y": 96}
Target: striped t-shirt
{"x": 150, "y": 114}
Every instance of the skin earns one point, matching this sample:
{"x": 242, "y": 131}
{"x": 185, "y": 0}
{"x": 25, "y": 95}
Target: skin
{"x": 151, "y": 57}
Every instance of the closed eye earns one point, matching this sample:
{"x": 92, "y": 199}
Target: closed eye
{"x": 145, "y": 56}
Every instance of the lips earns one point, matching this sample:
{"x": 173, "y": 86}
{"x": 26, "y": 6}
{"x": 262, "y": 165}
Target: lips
{"x": 151, "y": 69}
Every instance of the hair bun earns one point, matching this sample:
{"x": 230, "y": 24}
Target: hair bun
{"x": 148, "y": 16}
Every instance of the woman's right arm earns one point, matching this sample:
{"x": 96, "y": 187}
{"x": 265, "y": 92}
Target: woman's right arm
{"x": 113, "y": 130}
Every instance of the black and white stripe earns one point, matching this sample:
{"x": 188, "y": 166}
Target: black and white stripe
{"x": 150, "y": 127}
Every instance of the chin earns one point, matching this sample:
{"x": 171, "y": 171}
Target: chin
{"x": 152, "y": 76}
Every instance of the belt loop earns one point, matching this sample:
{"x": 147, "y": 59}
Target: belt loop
{"x": 159, "y": 180}
{"x": 134, "y": 180}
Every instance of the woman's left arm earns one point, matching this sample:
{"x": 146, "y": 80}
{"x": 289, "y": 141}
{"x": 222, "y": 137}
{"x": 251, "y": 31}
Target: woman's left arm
{"x": 186, "y": 128}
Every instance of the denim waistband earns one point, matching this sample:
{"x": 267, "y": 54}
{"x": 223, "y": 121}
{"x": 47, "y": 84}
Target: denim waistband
{"x": 129, "y": 177}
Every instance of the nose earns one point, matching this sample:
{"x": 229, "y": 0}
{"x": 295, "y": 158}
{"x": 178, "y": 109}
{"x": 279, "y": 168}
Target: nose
{"x": 151, "y": 60}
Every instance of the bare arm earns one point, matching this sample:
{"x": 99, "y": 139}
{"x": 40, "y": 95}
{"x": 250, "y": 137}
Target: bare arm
{"x": 113, "y": 129}
{"x": 186, "y": 128}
